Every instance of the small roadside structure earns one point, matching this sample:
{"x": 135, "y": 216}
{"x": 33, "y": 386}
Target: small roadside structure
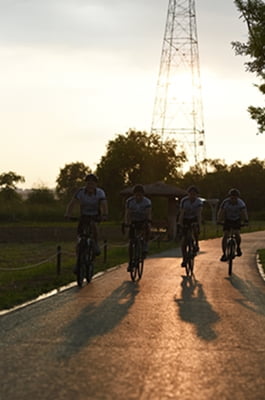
{"x": 161, "y": 189}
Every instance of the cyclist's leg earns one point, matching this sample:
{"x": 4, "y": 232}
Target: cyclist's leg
{"x": 223, "y": 242}
{"x": 78, "y": 239}
{"x": 183, "y": 246}
{"x": 238, "y": 242}
{"x": 224, "y": 239}
{"x": 130, "y": 250}
{"x": 95, "y": 229}
{"x": 196, "y": 232}
{"x": 236, "y": 230}
{"x": 146, "y": 237}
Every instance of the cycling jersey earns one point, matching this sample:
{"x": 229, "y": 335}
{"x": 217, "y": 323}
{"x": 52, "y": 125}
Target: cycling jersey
{"x": 138, "y": 209}
{"x": 89, "y": 203}
{"x": 191, "y": 208}
{"x": 232, "y": 211}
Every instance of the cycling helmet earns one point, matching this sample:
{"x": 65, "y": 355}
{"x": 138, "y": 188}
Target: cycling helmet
{"x": 91, "y": 177}
{"x": 138, "y": 189}
{"x": 192, "y": 189}
{"x": 234, "y": 192}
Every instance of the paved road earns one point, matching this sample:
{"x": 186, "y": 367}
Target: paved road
{"x": 164, "y": 338}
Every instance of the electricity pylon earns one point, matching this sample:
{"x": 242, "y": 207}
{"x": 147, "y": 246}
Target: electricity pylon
{"x": 178, "y": 110}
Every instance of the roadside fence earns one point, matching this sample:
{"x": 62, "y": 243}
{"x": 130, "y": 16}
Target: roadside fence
{"x": 57, "y": 256}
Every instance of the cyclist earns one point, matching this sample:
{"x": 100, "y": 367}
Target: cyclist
{"x": 232, "y": 210}
{"x": 138, "y": 210}
{"x": 190, "y": 213}
{"x": 93, "y": 203}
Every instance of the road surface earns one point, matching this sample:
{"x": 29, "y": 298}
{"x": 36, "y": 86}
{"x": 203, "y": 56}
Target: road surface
{"x": 163, "y": 338}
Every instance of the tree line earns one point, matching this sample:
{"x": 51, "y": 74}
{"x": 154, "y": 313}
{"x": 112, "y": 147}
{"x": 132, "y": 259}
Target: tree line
{"x": 139, "y": 157}
{"x": 253, "y": 14}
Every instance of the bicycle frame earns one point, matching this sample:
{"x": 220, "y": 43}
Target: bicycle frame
{"x": 230, "y": 246}
{"x": 230, "y": 250}
{"x": 85, "y": 255}
{"x": 191, "y": 252}
{"x": 136, "y": 252}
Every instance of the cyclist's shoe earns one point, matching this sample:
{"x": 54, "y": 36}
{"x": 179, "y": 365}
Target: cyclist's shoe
{"x": 196, "y": 249}
{"x": 129, "y": 268}
{"x": 238, "y": 252}
{"x": 223, "y": 258}
{"x": 183, "y": 264}
{"x": 145, "y": 250}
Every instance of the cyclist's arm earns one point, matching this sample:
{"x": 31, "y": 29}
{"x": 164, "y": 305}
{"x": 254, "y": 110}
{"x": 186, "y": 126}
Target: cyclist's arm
{"x": 220, "y": 215}
{"x": 244, "y": 214}
{"x": 104, "y": 208}
{"x": 70, "y": 207}
{"x": 149, "y": 214}
{"x": 127, "y": 216}
{"x": 199, "y": 216}
{"x": 181, "y": 217}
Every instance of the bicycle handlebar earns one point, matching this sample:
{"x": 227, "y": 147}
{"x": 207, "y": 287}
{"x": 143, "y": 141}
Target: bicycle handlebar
{"x": 134, "y": 224}
{"x": 95, "y": 218}
{"x": 71, "y": 218}
{"x": 241, "y": 225}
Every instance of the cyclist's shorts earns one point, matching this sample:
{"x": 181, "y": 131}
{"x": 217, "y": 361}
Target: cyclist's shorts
{"x": 84, "y": 221}
{"x": 139, "y": 226}
{"x": 187, "y": 222}
{"x": 229, "y": 224}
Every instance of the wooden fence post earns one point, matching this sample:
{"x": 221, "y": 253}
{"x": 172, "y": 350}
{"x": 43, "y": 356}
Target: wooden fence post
{"x": 105, "y": 251}
{"x": 59, "y": 253}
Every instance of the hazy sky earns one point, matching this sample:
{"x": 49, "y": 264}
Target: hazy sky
{"x": 75, "y": 73}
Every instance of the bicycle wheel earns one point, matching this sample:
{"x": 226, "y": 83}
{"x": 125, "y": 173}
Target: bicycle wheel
{"x": 230, "y": 255}
{"x": 140, "y": 268}
{"x": 81, "y": 268}
{"x": 190, "y": 266}
{"x": 89, "y": 264}
{"x": 140, "y": 256}
{"x": 190, "y": 259}
{"x": 134, "y": 262}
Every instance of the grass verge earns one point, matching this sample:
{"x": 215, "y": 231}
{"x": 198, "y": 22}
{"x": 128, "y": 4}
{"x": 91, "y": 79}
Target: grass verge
{"x": 29, "y": 270}
{"x": 38, "y": 273}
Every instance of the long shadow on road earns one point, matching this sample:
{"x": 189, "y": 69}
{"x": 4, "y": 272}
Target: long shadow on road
{"x": 253, "y": 297}
{"x": 194, "y": 308}
{"x": 97, "y": 320}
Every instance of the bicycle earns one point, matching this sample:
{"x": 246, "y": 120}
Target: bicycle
{"x": 191, "y": 247}
{"x": 85, "y": 253}
{"x": 136, "y": 251}
{"x": 230, "y": 248}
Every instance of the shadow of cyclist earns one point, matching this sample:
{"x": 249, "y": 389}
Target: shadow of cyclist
{"x": 195, "y": 309}
{"x": 253, "y": 298}
{"x": 97, "y": 320}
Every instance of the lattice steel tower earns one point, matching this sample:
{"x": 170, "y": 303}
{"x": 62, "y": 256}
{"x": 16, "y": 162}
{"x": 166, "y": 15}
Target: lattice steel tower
{"x": 178, "y": 111}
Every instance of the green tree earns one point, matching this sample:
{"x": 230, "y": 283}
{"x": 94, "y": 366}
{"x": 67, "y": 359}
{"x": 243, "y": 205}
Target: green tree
{"x": 249, "y": 179}
{"x": 10, "y": 199}
{"x": 137, "y": 157}
{"x": 214, "y": 178}
{"x": 70, "y": 178}
{"x": 210, "y": 176}
{"x": 9, "y": 179}
{"x": 253, "y": 13}
{"x": 8, "y": 187}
